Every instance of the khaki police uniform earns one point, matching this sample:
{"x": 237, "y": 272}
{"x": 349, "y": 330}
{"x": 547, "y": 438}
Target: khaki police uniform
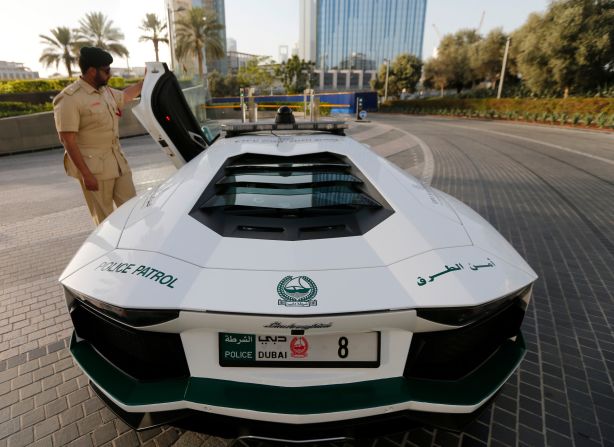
{"x": 94, "y": 115}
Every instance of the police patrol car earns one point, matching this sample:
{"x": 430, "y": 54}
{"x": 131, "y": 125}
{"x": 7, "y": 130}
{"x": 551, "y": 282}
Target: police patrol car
{"x": 288, "y": 283}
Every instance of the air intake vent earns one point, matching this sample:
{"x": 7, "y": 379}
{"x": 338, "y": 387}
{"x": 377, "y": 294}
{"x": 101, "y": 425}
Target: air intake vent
{"x": 144, "y": 355}
{"x": 452, "y": 354}
{"x": 290, "y": 198}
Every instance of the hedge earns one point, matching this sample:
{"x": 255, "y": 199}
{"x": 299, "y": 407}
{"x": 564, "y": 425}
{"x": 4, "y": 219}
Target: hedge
{"x": 46, "y": 85}
{"x": 587, "y": 111}
{"x": 15, "y": 108}
{"x": 568, "y": 105}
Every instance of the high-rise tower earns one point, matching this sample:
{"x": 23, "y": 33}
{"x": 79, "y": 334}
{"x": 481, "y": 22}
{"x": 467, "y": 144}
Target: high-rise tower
{"x": 307, "y": 30}
{"x": 360, "y": 34}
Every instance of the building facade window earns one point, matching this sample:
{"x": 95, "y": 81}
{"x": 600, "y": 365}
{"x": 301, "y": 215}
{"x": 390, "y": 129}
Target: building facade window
{"x": 360, "y": 34}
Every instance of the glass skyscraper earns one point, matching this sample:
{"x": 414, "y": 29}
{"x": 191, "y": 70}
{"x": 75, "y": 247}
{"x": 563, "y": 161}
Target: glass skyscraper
{"x": 360, "y": 34}
{"x": 221, "y": 65}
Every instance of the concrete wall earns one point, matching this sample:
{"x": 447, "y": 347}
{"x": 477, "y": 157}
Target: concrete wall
{"x": 37, "y": 131}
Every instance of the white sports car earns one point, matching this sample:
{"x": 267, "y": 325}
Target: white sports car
{"x": 289, "y": 283}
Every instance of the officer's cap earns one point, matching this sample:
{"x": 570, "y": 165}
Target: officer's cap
{"x": 93, "y": 57}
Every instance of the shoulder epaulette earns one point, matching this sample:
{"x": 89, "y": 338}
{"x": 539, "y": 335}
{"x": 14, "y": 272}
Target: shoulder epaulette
{"x": 72, "y": 88}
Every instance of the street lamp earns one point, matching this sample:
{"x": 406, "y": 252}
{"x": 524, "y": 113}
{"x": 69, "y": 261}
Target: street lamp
{"x": 387, "y": 62}
{"x": 507, "y": 49}
{"x": 171, "y": 31}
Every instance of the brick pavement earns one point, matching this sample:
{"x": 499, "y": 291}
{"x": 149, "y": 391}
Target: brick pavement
{"x": 556, "y": 209}
{"x": 552, "y": 206}
{"x": 45, "y": 400}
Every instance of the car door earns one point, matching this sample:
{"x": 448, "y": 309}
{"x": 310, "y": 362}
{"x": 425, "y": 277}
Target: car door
{"x": 166, "y": 115}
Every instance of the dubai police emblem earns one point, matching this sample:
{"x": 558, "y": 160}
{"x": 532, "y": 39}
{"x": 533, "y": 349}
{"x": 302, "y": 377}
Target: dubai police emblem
{"x": 297, "y": 291}
{"x": 299, "y": 347}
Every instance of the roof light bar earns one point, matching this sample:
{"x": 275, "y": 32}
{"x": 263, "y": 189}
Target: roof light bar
{"x": 233, "y": 130}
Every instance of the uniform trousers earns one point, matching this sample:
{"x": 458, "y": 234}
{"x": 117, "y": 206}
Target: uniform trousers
{"x": 100, "y": 203}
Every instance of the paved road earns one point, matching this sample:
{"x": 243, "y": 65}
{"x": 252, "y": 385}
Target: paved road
{"x": 549, "y": 191}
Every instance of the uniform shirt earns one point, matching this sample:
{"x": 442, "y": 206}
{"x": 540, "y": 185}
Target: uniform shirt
{"x": 94, "y": 115}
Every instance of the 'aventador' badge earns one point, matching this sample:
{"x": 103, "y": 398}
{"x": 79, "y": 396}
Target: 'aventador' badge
{"x": 297, "y": 291}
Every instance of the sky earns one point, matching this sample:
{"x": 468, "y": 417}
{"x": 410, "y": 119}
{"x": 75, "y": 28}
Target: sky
{"x": 259, "y": 26}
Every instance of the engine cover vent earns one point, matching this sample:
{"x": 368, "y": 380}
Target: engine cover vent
{"x": 302, "y": 197}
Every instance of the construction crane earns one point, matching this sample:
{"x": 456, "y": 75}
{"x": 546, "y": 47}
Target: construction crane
{"x": 439, "y": 37}
{"x": 481, "y": 22}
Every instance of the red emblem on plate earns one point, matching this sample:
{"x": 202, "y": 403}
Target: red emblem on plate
{"x": 299, "y": 347}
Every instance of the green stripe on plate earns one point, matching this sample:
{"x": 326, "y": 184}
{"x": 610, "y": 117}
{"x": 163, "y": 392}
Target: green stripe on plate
{"x": 302, "y": 400}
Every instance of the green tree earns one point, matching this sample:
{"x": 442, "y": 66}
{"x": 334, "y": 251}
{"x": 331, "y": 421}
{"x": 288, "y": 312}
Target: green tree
{"x": 221, "y": 86}
{"x": 435, "y": 74}
{"x": 61, "y": 48}
{"x": 255, "y": 74}
{"x": 152, "y": 25}
{"x": 569, "y": 47}
{"x": 403, "y": 75}
{"x": 295, "y": 74}
{"x": 198, "y": 29}
{"x": 96, "y": 30}
{"x": 486, "y": 56}
{"x": 454, "y": 54}
{"x": 529, "y": 52}
{"x": 216, "y": 83}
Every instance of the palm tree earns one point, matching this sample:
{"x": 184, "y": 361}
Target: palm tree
{"x": 61, "y": 48}
{"x": 98, "y": 31}
{"x": 198, "y": 29}
{"x": 152, "y": 23}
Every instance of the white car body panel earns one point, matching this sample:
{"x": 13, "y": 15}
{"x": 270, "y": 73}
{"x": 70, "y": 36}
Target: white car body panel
{"x": 339, "y": 291}
{"x": 426, "y": 230}
{"x": 432, "y": 252}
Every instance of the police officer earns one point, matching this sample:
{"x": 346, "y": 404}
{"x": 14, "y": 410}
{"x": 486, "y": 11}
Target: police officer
{"x": 87, "y": 116}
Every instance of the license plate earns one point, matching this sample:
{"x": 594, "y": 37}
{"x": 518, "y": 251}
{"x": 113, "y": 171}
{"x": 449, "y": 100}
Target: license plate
{"x": 358, "y": 350}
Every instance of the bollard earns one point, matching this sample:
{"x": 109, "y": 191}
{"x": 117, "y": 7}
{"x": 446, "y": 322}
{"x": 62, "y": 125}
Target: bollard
{"x": 251, "y": 101}
{"x": 242, "y": 99}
